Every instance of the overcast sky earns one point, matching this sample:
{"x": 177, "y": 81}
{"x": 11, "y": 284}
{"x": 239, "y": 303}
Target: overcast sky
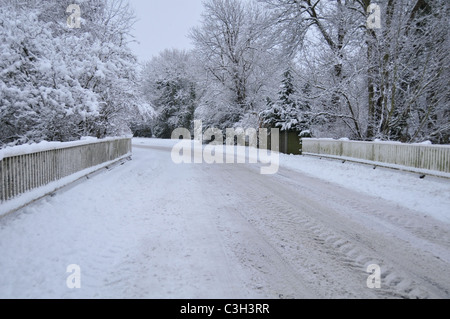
{"x": 163, "y": 24}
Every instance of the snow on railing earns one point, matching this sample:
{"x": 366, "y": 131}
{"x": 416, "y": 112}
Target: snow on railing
{"x": 420, "y": 156}
{"x": 24, "y": 168}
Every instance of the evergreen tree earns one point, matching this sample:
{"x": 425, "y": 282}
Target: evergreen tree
{"x": 287, "y": 113}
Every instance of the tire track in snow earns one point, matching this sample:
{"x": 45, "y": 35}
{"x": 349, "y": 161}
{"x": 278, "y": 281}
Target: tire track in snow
{"x": 293, "y": 213}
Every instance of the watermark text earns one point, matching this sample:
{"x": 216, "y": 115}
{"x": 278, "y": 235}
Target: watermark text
{"x": 240, "y": 147}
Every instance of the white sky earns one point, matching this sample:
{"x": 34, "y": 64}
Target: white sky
{"x": 163, "y": 24}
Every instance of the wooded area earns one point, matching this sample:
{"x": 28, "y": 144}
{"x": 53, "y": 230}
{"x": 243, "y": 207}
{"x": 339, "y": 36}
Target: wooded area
{"x": 320, "y": 68}
{"x": 317, "y": 67}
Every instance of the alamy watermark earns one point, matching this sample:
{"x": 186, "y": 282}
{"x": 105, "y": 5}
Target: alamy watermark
{"x": 234, "y": 151}
{"x": 374, "y": 18}
{"x": 374, "y": 280}
{"x": 74, "y": 279}
{"x": 74, "y": 20}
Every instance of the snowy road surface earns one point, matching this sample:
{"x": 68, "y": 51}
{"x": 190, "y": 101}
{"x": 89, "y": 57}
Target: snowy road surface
{"x": 153, "y": 229}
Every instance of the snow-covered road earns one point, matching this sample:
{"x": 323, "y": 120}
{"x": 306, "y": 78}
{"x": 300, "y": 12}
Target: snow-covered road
{"x": 153, "y": 229}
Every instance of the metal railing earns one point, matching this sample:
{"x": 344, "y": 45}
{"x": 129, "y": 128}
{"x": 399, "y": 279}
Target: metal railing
{"x": 420, "y": 156}
{"x": 24, "y": 172}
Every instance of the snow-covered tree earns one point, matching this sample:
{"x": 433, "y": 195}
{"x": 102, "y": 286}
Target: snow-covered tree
{"x": 368, "y": 82}
{"x": 409, "y": 72}
{"x": 288, "y": 113}
{"x": 40, "y": 99}
{"x": 238, "y": 60}
{"x": 169, "y": 85}
{"x": 323, "y": 37}
{"x": 59, "y": 83}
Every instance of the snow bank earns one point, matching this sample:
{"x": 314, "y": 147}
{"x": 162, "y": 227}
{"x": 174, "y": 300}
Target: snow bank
{"x": 430, "y": 196}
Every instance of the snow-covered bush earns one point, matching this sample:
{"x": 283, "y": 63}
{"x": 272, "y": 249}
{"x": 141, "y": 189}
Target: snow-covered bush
{"x": 58, "y": 83}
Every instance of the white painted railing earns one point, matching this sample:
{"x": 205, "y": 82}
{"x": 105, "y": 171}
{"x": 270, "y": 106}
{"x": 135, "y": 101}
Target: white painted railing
{"x": 22, "y": 171}
{"x": 420, "y": 156}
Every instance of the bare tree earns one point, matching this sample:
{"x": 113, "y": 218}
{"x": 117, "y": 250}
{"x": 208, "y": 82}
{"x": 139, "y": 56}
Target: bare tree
{"x": 233, "y": 46}
{"x": 403, "y": 65}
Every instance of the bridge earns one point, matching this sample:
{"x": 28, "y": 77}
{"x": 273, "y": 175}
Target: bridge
{"x": 141, "y": 226}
